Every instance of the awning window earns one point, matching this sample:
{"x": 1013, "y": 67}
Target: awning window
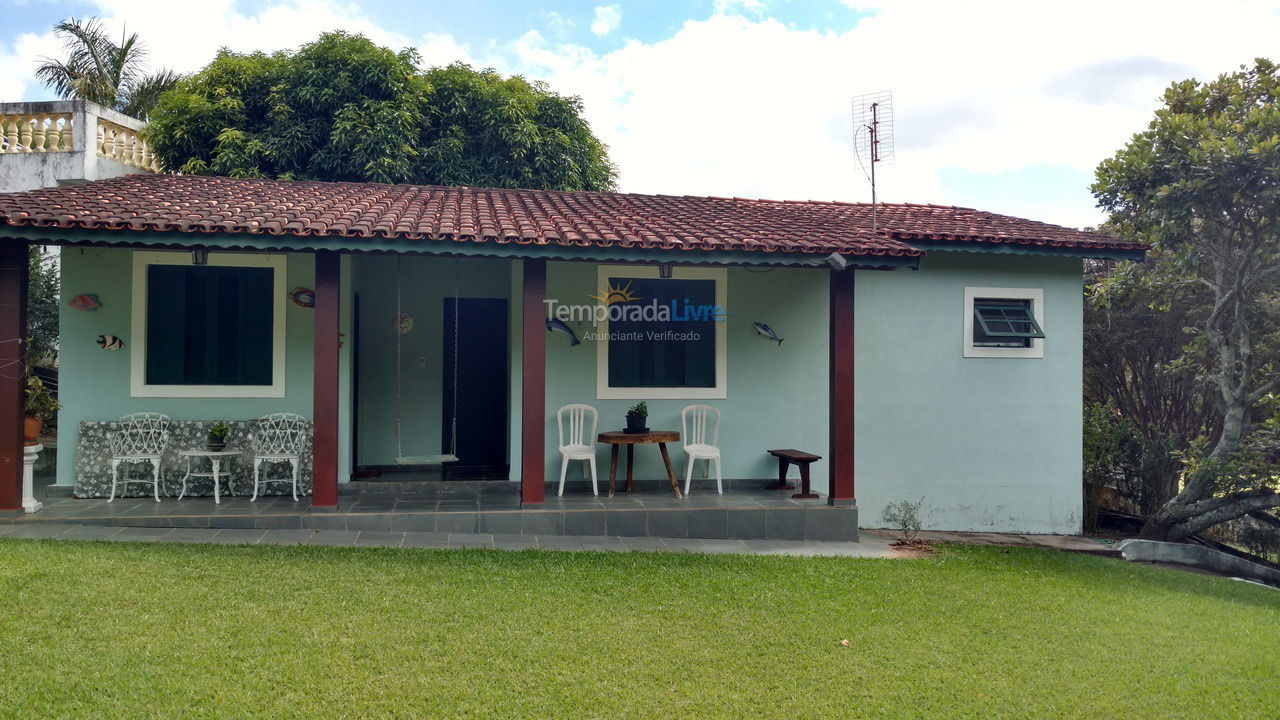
{"x": 1004, "y": 323}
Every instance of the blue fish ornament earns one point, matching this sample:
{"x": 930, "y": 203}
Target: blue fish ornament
{"x": 557, "y": 325}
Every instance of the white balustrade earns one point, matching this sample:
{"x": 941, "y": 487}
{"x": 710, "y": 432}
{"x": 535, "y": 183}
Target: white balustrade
{"x": 46, "y": 132}
{"x": 126, "y": 146}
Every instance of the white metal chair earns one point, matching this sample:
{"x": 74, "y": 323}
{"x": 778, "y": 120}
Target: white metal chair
{"x": 279, "y": 438}
{"x": 141, "y": 438}
{"x": 700, "y": 431}
{"x": 580, "y": 443}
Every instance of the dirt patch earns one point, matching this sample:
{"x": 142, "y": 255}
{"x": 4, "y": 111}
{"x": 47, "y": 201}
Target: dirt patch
{"x": 917, "y": 548}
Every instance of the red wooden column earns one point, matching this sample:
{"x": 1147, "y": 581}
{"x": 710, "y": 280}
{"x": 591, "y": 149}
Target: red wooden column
{"x": 324, "y": 468}
{"x": 13, "y": 343}
{"x": 533, "y": 373}
{"x": 841, "y": 372}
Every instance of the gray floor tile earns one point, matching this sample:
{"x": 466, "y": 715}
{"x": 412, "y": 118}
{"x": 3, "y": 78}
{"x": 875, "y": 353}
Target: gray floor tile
{"x": 380, "y": 538}
{"x": 471, "y": 540}
{"x": 429, "y": 540}
{"x": 142, "y": 533}
{"x": 191, "y": 535}
{"x": 643, "y": 543}
{"x": 39, "y": 531}
{"x": 585, "y": 522}
{"x": 90, "y": 532}
{"x": 334, "y": 537}
{"x": 559, "y": 542}
{"x": 504, "y": 523}
{"x": 245, "y": 536}
{"x": 457, "y": 522}
{"x": 286, "y": 536}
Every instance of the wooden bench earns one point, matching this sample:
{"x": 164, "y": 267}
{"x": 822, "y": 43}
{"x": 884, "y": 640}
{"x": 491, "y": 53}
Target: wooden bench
{"x": 801, "y": 458}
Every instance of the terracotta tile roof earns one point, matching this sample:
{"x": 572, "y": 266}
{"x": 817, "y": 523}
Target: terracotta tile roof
{"x": 194, "y": 204}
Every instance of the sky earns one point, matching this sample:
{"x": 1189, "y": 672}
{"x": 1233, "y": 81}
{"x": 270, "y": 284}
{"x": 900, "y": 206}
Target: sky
{"x": 1002, "y": 106}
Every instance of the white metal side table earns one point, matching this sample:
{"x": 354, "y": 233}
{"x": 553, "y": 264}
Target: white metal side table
{"x": 215, "y": 458}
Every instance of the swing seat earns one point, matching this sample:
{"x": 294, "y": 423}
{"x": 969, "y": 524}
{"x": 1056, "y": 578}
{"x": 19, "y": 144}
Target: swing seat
{"x": 426, "y": 459}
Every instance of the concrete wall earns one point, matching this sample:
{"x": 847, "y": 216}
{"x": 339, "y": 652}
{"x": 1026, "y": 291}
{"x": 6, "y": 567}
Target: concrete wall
{"x": 30, "y": 171}
{"x": 94, "y": 383}
{"x": 989, "y": 443}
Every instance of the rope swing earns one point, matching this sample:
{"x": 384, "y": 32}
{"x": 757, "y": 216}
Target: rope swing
{"x": 403, "y": 325}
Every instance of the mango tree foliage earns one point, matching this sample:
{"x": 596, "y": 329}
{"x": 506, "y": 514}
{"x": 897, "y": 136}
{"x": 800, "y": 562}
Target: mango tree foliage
{"x": 1202, "y": 185}
{"x": 342, "y": 108}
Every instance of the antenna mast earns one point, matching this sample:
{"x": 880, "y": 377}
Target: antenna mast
{"x": 873, "y": 138}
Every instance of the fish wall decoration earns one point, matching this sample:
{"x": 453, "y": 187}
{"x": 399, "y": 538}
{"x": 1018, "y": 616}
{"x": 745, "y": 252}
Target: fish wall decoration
{"x": 303, "y": 297}
{"x": 557, "y": 325}
{"x": 768, "y": 332}
{"x": 85, "y": 301}
{"x": 110, "y": 342}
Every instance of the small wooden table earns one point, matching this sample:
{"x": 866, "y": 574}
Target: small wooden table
{"x": 661, "y": 437}
{"x": 801, "y": 458}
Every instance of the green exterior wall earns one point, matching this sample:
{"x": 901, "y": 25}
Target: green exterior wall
{"x": 776, "y": 394}
{"x": 989, "y": 443}
{"x": 94, "y": 383}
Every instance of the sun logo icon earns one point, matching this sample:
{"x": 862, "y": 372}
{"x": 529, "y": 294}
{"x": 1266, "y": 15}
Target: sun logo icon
{"x": 616, "y": 294}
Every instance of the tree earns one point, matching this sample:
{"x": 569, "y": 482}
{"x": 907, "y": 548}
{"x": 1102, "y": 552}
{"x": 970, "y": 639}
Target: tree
{"x": 42, "y": 306}
{"x": 1202, "y": 185}
{"x": 1142, "y": 363}
{"x": 342, "y": 108}
{"x": 100, "y": 70}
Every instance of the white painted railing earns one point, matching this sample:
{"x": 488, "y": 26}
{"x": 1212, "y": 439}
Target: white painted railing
{"x": 125, "y": 145}
{"x": 45, "y": 132}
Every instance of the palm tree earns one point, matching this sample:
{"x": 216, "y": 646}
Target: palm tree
{"x": 102, "y": 71}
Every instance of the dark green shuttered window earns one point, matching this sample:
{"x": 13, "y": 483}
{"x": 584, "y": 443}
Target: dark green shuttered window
{"x": 209, "y": 325}
{"x": 639, "y": 357}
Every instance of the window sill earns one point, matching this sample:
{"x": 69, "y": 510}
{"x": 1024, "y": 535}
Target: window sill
{"x": 208, "y": 391}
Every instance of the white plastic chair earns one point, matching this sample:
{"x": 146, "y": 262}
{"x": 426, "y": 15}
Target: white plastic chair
{"x": 279, "y": 438}
{"x": 142, "y": 438}
{"x": 700, "y": 431}
{"x": 580, "y": 443}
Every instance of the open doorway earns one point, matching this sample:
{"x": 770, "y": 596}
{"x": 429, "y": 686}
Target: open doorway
{"x": 474, "y": 423}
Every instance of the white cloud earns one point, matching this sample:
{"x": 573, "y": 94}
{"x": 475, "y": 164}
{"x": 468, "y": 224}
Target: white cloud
{"x": 185, "y": 36}
{"x": 740, "y": 104}
{"x": 607, "y": 19}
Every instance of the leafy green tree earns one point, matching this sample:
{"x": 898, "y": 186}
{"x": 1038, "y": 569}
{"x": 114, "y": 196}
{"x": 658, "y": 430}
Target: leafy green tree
{"x": 100, "y": 70}
{"x": 42, "y": 307}
{"x": 1141, "y": 363}
{"x": 342, "y": 108}
{"x": 1202, "y": 185}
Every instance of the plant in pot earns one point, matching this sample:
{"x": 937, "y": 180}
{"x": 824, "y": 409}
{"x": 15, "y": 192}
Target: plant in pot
{"x": 218, "y": 437}
{"x": 636, "y": 418}
{"x": 41, "y": 406}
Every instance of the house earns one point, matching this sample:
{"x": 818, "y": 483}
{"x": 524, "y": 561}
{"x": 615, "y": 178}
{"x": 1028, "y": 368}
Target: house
{"x": 937, "y": 356}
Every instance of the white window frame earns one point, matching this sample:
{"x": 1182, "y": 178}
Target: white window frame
{"x": 1035, "y": 295}
{"x": 719, "y": 392}
{"x": 138, "y": 351}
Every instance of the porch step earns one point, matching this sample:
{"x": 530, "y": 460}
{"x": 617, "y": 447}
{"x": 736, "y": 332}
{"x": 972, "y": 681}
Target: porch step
{"x": 704, "y": 520}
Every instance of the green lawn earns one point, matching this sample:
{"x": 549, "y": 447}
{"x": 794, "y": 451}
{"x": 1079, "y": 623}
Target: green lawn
{"x": 177, "y": 631}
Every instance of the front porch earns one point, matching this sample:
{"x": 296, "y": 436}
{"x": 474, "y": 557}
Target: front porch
{"x": 746, "y": 511}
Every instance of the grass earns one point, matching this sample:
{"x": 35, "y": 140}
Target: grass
{"x": 166, "y": 631}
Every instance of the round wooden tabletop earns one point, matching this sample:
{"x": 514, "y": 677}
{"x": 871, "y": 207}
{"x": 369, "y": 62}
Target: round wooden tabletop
{"x": 619, "y": 437}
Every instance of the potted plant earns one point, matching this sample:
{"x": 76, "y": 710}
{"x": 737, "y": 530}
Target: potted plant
{"x": 218, "y": 437}
{"x": 636, "y": 417}
{"x": 41, "y": 405}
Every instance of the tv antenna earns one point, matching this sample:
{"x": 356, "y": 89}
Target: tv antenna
{"x": 873, "y": 137}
